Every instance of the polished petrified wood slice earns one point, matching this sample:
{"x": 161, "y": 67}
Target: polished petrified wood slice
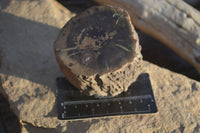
{"x": 99, "y": 51}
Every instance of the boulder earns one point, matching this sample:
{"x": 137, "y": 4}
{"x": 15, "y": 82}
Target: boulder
{"x": 28, "y": 30}
{"x": 29, "y": 71}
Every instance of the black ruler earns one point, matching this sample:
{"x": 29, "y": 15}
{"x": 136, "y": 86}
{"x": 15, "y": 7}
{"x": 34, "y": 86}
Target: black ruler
{"x": 72, "y": 104}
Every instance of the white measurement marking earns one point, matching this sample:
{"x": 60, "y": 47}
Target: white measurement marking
{"x": 149, "y": 107}
{"x": 135, "y": 109}
{"x": 108, "y": 100}
{"x": 92, "y": 111}
{"x": 141, "y": 101}
{"x": 116, "y": 113}
{"x": 98, "y": 102}
{"x": 121, "y": 109}
{"x": 63, "y": 115}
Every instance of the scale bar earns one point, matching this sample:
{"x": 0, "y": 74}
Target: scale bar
{"x": 106, "y": 100}
{"x": 108, "y": 114}
{"x": 73, "y": 105}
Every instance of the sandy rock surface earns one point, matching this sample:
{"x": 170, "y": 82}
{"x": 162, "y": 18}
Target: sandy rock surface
{"x": 29, "y": 69}
{"x": 27, "y": 31}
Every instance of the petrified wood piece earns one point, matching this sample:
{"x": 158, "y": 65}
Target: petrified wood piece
{"x": 99, "y": 51}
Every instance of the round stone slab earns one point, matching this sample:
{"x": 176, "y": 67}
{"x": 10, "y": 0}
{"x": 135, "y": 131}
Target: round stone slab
{"x": 96, "y": 44}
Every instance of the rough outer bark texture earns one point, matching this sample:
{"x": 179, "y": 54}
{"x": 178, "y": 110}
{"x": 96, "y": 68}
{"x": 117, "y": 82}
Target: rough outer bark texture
{"x": 99, "y": 51}
{"x": 173, "y": 22}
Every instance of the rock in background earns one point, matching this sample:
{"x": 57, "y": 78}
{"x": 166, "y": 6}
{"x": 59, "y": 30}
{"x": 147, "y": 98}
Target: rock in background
{"x": 28, "y": 30}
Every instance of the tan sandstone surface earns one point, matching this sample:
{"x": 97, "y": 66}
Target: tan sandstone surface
{"x": 28, "y": 29}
